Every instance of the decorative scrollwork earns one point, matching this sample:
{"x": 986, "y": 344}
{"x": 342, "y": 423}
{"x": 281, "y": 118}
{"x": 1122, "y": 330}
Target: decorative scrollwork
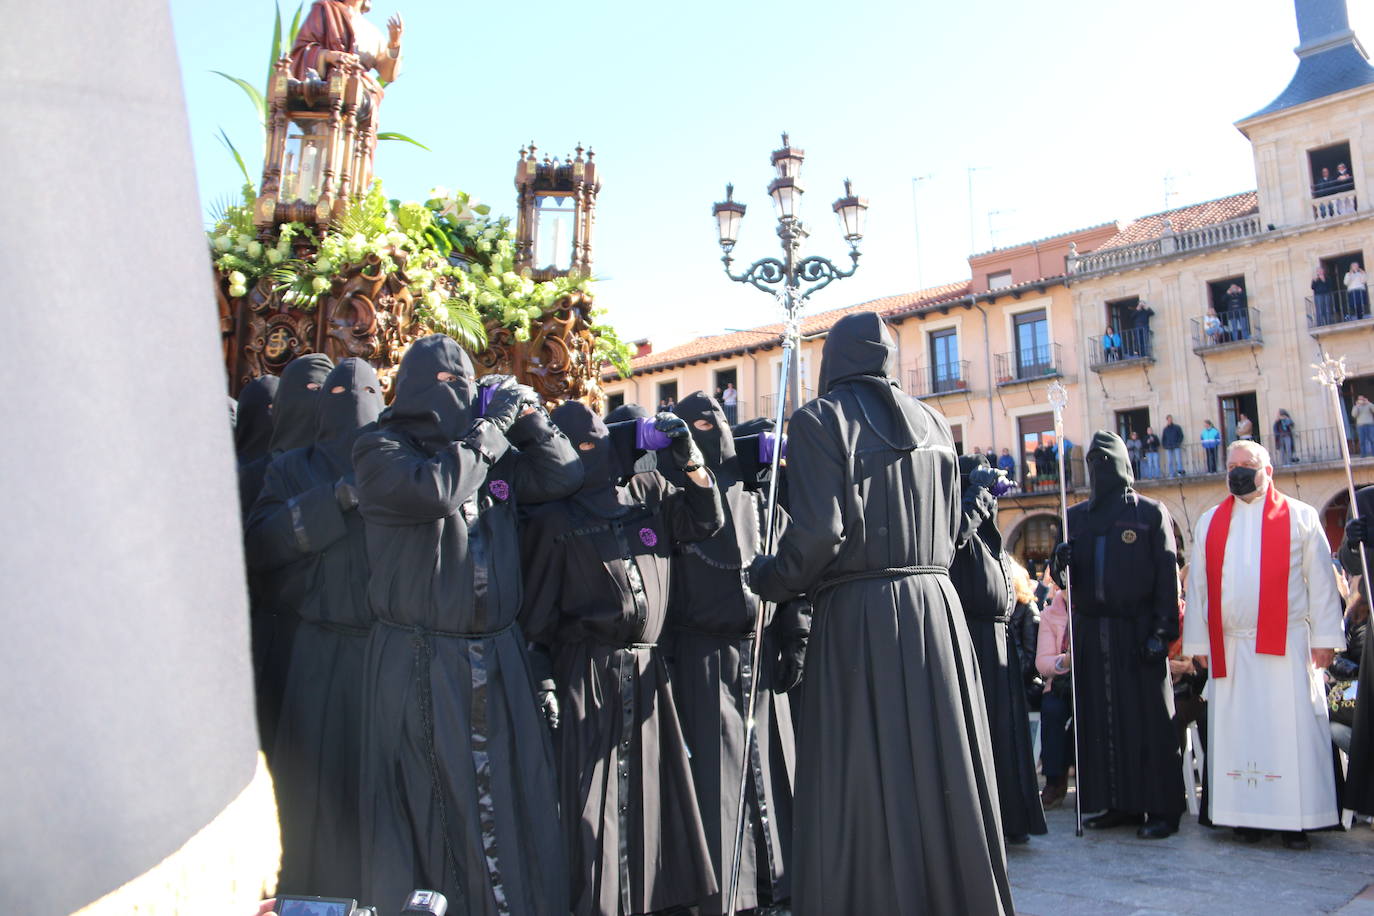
{"x": 765, "y": 274}
{"x": 821, "y": 272}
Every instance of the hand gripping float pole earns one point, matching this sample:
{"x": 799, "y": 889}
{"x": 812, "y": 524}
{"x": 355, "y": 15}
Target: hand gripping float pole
{"x": 790, "y": 340}
{"x": 1059, "y": 398}
{"x": 1331, "y": 374}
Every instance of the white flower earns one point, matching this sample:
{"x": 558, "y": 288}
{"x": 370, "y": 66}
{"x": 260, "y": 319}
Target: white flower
{"x": 223, "y": 243}
{"x": 434, "y": 299}
{"x": 255, "y": 250}
{"x": 319, "y": 284}
{"x": 274, "y": 256}
{"x": 237, "y": 290}
{"x": 522, "y": 334}
{"x": 237, "y": 279}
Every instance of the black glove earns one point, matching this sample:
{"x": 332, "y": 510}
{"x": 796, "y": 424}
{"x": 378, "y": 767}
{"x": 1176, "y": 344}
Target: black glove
{"x": 508, "y": 403}
{"x": 683, "y": 447}
{"x": 1357, "y": 533}
{"x": 791, "y": 660}
{"x": 1155, "y": 649}
{"x": 982, "y": 502}
{"x": 1059, "y": 562}
{"x": 755, "y": 569}
{"x": 345, "y": 494}
{"x": 548, "y": 704}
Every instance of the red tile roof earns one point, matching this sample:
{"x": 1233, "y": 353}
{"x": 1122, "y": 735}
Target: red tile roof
{"x": 1184, "y": 218}
{"x": 768, "y": 336}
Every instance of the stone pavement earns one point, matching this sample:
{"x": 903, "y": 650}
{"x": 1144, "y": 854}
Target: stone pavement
{"x": 1197, "y": 870}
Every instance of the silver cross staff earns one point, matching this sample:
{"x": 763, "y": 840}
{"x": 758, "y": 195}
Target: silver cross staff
{"x": 1058, "y": 396}
{"x": 1331, "y": 373}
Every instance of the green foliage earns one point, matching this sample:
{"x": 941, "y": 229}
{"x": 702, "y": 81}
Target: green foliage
{"x": 393, "y": 135}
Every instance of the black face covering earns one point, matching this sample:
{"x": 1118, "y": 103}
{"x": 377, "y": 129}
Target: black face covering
{"x": 343, "y": 415}
{"x": 1109, "y": 469}
{"x": 718, "y": 443}
{"x": 626, "y": 412}
{"x": 1242, "y": 481}
{"x": 253, "y": 431}
{"x": 297, "y": 403}
{"x": 432, "y": 411}
{"x": 860, "y": 349}
{"x": 600, "y": 493}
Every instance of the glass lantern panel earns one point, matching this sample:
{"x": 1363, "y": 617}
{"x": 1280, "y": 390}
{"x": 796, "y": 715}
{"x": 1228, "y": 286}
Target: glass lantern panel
{"x": 302, "y": 170}
{"x": 553, "y": 233}
{"x": 728, "y": 224}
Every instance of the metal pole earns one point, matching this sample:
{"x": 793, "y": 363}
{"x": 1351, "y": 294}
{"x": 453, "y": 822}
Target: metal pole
{"x": 790, "y": 341}
{"x": 1331, "y": 373}
{"x": 1058, "y": 398}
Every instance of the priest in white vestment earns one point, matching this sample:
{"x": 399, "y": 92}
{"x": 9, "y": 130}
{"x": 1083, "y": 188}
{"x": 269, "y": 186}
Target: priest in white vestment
{"x": 1264, "y": 612}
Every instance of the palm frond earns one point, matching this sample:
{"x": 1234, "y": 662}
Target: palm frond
{"x": 233, "y": 150}
{"x": 254, "y": 96}
{"x": 295, "y": 27}
{"x": 393, "y": 135}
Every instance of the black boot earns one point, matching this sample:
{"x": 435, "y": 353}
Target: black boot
{"x": 1157, "y": 828}
{"x": 1113, "y": 818}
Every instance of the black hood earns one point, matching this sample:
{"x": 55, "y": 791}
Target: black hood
{"x": 627, "y": 412}
{"x": 297, "y": 402}
{"x": 860, "y": 350}
{"x": 344, "y": 414}
{"x": 253, "y": 429}
{"x": 600, "y": 493}
{"x": 434, "y": 412}
{"x": 718, "y": 443}
{"x": 1109, "y": 469}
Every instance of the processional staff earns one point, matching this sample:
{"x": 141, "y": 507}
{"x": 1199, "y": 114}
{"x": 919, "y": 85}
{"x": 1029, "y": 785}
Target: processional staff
{"x": 1331, "y": 374}
{"x": 1059, "y": 399}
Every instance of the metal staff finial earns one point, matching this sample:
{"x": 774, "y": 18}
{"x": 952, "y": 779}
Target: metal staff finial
{"x": 1058, "y": 397}
{"x": 1330, "y": 371}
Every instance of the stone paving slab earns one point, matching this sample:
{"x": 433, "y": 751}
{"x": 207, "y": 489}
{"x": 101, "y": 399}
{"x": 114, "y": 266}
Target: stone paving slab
{"x": 1197, "y": 871}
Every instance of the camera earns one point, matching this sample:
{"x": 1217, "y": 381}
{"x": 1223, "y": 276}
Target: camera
{"x": 420, "y": 903}
{"x": 994, "y": 480}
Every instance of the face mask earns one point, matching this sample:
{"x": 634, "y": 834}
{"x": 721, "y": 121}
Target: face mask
{"x": 1242, "y": 481}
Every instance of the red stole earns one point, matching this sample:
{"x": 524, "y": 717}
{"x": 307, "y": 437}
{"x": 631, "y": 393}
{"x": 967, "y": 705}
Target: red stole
{"x": 1276, "y": 535}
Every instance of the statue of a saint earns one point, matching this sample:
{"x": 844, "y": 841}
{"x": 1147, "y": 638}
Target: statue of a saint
{"x": 335, "y": 34}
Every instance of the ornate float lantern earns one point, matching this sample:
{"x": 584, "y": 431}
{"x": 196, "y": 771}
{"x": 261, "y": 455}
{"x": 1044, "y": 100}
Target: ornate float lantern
{"x": 556, "y": 209}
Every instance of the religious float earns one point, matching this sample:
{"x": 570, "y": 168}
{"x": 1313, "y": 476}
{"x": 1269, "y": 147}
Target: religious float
{"x": 316, "y": 259}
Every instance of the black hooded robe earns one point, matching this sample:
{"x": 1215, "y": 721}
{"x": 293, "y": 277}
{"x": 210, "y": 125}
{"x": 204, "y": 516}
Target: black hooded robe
{"x": 458, "y": 783}
{"x": 896, "y": 802}
{"x": 1358, "y": 794}
{"x": 253, "y": 419}
{"x": 271, "y": 596}
{"x": 1124, "y": 589}
{"x": 711, "y": 616}
{"x": 598, "y": 572}
{"x": 980, "y": 577}
{"x": 299, "y": 528}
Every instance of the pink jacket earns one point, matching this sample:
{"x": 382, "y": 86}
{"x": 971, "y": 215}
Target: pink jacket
{"x": 1052, "y": 646}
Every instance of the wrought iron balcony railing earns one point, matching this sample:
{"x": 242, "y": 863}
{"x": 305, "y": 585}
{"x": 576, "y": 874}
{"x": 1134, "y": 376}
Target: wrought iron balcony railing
{"x": 1129, "y": 348}
{"x": 1229, "y": 328}
{"x": 1328, "y": 310}
{"x": 944, "y": 378}
{"x": 1028, "y": 364}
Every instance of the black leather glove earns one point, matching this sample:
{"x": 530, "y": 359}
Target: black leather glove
{"x": 791, "y": 661}
{"x": 981, "y": 502}
{"x": 755, "y": 568}
{"x": 548, "y": 704}
{"x": 683, "y": 447}
{"x": 1059, "y": 562}
{"x": 1357, "y": 533}
{"x": 345, "y": 494}
{"x": 1154, "y": 650}
{"x": 507, "y": 404}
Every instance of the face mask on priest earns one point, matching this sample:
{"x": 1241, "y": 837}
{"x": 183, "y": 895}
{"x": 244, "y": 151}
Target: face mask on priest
{"x": 1248, "y": 471}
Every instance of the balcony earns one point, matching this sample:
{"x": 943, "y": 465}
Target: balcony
{"x": 1029, "y": 364}
{"x": 768, "y": 403}
{"x": 933, "y": 381}
{"x": 1306, "y": 447}
{"x": 1169, "y": 244}
{"x": 1135, "y": 347}
{"x": 1334, "y": 206}
{"x": 1236, "y": 328}
{"x": 1340, "y": 310}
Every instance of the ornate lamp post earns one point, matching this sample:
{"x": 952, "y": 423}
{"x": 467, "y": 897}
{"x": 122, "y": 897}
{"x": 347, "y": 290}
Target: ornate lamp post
{"x": 792, "y": 279}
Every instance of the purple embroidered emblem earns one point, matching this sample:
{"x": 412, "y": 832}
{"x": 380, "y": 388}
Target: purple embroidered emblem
{"x": 500, "y": 489}
{"x": 648, "y": 537}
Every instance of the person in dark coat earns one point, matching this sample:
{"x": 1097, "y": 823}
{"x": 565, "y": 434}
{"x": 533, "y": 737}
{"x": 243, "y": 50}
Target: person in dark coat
{"x": 253, "y": 419}
{"x": 982, "y": 578}
{"x": 305, "y": 525}
{"x": 272, "y": 595}
{"x": 598, "y": 570}
{"x": 1124, "y": 590}
{"x": 458, "y": 786}
{"x": 896, "y": 800}
{"x": 1359, "y": 774}
{"x": 712, "y": 615}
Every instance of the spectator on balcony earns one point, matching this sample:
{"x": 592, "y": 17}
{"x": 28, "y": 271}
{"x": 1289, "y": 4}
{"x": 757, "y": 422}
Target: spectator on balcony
{"x": 1173, "y": 446}
{"x": 1283, "y": 437}
{"x": 1343, "y": 181}
{"x": 1068, "y": 462}
{"x": 1211, "y": 442}
{"x": 1138, "y": 338}
{"x": 1356, "y": 293}
{"x": 1244, "y": 428}
{"x": 1151, "y": 454}
{"x": 1363, "y": 415}
{"x": 1111, "y": 345}
{"x": 729, "y": 399}
{"x": 1323, "y": 299}
{"x": 1211, "y": 328}
{"x": 1007, "y": 463}
{"x": 1237, "y": 314}
{"x": 1135, "y": 449}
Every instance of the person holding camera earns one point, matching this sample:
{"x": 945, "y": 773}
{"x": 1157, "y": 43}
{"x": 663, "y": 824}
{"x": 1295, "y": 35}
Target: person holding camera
{"x": 458, "y": 786}
{"x": 982, "y": 577}
{"x": 1123, "y": 586}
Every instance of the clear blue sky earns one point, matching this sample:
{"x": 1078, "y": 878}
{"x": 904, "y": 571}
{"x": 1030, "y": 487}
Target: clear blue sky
{"x": 1075, "y": 112}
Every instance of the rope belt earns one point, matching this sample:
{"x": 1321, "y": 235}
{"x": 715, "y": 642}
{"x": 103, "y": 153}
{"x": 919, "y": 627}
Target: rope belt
{"x": 341, "y": 629}
{"x": 895, "y": 572}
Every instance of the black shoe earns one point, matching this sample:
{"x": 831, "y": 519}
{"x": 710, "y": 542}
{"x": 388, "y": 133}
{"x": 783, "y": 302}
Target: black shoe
{"x": 1295, "y": 839}
{"x": 1249, "y": 834}
{"x": 1157, "y": 828}
{"x": 1111, "y": 818}
{"x": 1018, "y": 839}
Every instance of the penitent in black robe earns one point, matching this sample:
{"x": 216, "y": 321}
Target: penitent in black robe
{"x": 980, "y": 577}
{"x": 598, "y": 571}
{"x": 1359, "y": 775}
{"x": 458, "y": 785}
{"x": 896, "y": 799}
{"x": 301, "y": 528}
{"x": 711, "y": 617}
{"x": 1124, "y": 588}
